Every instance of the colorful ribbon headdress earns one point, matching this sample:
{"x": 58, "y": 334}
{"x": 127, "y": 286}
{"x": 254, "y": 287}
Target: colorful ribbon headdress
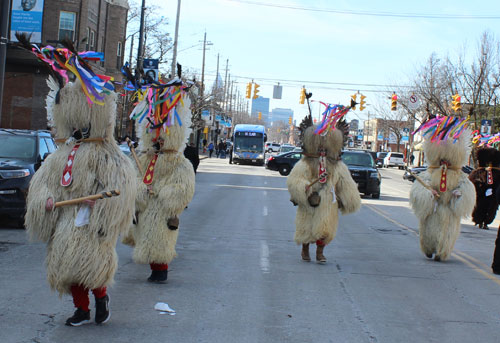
{"x": 489, "y": 141}
{"x": 331, "y": 116}
{"x": 62, "y": 60}
{"x": 440, "y": 128}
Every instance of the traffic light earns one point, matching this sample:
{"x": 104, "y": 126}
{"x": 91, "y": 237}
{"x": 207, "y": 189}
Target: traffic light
{"x": 394, "y": 102}
{"x": 255, "y": 90}
{"x": 456, "y": 104}
{"x": 249, "y": 91}
{"x": 353, "y": 101}
{"x": 260, "y": 115}
{"x": 302, "y": 96}
{"x": 290, "y": 120}
{"x": 362, "y": 102}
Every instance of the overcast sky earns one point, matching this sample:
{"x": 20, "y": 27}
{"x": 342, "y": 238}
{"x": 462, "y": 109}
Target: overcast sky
{"x": 333, "y": 48}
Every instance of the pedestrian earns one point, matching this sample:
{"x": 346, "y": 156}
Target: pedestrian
{"x": 81, "y": 237}
{"x": 230, "y": 153}
{"x": 412, "y": 158}
{"x": 204, "y": 145}
{"x": 165, "y": 189}
{"x": 191, "y": 153}
{"x": 210, "y": 149}
{"x": 495, "y": 266}
{"x": 486, "y": 178}
{"x": 444, "y": 194}
{"x": 320, "y": 185}
{"x": 221, "y": 151}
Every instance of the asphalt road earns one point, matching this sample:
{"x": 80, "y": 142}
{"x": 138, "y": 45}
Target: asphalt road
{"x": 238, "y": 276}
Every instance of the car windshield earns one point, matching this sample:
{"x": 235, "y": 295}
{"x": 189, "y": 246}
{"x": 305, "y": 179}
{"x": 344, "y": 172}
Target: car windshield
{"x": 17, "y": 146}
{"x": 357, "y": 159}
{"x": 286, "y": 148}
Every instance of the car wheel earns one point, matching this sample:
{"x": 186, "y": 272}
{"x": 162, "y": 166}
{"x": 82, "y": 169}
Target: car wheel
{"x": 376, "y": 195}
{"x": 284, "y": 170}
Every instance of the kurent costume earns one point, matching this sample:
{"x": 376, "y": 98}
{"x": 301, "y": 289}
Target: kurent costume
{"x": 320, "y": 183}
{"x": 81, "y": 238}
{"x": 486, "y": 179}
{"x": 166, "y": 184}
{"x": 443, "y": 194}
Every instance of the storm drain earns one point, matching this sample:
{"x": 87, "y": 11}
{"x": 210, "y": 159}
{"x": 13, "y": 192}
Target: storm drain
{"x": 389, "y": 230}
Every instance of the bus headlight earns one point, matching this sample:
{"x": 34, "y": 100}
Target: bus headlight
{"x": 260, "y": 156}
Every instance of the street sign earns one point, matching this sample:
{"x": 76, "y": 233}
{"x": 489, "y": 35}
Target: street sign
{"x": 413, "y": 102}
{"x": 486, "y": 127}
{"x": 150, "y": 66}
{"x": 277, "y": 91}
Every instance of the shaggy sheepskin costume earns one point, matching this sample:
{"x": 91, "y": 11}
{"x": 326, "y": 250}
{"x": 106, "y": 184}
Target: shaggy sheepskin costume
{"x": 452, "y": 196}
{"x": 170, "y": 190}
{"x": 81, "y": 256}
{"x": 486, "y": 179}
{"x": 317, "y": 213}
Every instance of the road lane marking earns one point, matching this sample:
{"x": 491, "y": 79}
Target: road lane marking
{"x": 264, "y": 257}
{"x": 264, "y": 211}
{"x": 479, "y": 267}
{"x": 254, "y": 187}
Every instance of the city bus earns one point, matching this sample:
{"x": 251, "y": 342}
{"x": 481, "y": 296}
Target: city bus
{"x": 249, "y": 144}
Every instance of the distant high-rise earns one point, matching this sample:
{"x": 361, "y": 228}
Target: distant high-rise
{"x": 281, "y": 114}
{"x": 261, "y": 104}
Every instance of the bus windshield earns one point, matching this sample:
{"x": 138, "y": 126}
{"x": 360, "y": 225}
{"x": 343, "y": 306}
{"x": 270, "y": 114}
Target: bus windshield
{"x": 250, "y": 144}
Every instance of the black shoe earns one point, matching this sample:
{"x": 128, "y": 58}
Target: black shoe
{"x": 102, "y": 313}
{"x": 158, "y": 276}
{"x": 79, "y": 318}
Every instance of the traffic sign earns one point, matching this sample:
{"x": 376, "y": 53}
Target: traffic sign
{"x": 413, "y": 102}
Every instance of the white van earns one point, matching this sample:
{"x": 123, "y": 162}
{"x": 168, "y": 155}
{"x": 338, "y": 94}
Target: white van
{"x": 272, "y": 147}
{"x": 394, "y": 159}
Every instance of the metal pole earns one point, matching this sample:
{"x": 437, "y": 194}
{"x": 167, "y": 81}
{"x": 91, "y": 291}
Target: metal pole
{"x": 174, "y": 57}
{"x": 140, "y": 49}
{"x": 4, "y": 30}
{"x": 203, "y": 66}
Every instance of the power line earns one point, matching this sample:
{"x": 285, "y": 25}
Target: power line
{"x": 369, "y": 13}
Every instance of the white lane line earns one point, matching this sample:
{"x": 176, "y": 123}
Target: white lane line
{"x": 264, "y": 257}
{"x": 264, "y": 211}
{"x": 254, "y": 187}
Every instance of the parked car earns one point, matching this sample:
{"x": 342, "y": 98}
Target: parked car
{"x": 418, "y": 170}
{"x": 363, "y": 171}
{"x": 22, "y": 152}
{"x": 283, "y": 162}
{"x": 379, "y": 160}
{"x": 415, "y": 171}
{"x": 272, "y": 147}
{"x": 286, "y": 148}
{"x": 394, "y": 159}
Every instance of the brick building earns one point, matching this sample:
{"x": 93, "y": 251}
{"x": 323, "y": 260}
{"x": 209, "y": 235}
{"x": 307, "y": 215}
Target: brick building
{"x": 98, "y": 25}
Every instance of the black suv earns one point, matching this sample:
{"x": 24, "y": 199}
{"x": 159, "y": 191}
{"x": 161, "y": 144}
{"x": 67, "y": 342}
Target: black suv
{"x": 363, "y": 171}
{"x": 21, "y": 154}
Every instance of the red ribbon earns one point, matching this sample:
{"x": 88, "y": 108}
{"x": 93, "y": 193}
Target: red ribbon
{"x": 148, "y": 177}
{"x": 67, "y": 176}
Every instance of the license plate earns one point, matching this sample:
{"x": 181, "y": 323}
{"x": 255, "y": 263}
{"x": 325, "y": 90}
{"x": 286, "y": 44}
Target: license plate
{"x": 254, "y": 160}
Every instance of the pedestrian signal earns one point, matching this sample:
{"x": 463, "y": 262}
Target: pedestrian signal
{"x": 248, "y": 94}
{"x": 255, "y": 91}
{"x": 362, "y": 102}
{"x": 456, "y": 104}
{"x": 394, "y": 102}
{"x": 302, "y": 96}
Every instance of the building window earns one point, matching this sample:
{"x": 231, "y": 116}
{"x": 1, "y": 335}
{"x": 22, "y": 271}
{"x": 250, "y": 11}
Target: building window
{"x": 87, "y": 44}
{"x": 92, "y": 39}
{"x": 67, "y": 25}
{"x": 119, "y": 49}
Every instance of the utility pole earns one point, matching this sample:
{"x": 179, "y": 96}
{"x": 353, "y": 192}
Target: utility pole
{"x": 225, "y": 84}
{"x": 216, "y": 88}
{"x": 174, "y": 57}
{"x": 4, "y": 29}
{"x": 227, "y": 92}
{"x": 205, "y": 43}
{"x": 140, "y": 49}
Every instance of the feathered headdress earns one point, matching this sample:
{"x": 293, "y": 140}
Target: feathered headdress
{"x": 440, "y": 128}
{"x": 62, "y": 60}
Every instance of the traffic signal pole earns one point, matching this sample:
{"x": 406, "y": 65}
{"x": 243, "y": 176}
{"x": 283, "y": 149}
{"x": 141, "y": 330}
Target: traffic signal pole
{"x": 4, "y": 30}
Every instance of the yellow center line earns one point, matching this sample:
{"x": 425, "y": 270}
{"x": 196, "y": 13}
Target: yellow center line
{"x": 478, "y": 267}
